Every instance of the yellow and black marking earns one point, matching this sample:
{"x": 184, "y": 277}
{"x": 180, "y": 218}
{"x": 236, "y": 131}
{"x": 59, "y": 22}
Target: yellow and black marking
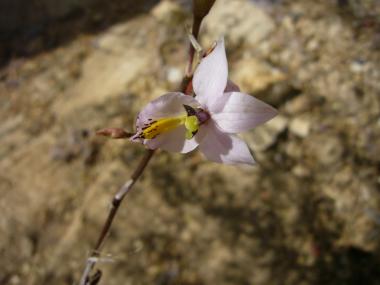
{"x": 156, "y": 127}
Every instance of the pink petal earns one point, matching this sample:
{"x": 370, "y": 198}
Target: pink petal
{"x": 223, "y": 148}
{"x": 238, "y": 112}
{"x": 210, "y": 77}
{"x": 173, "y": 141}
{"x": 168, "y": 105}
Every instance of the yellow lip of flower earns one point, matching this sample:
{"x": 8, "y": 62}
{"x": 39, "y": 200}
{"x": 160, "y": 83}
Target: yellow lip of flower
{"x": 192, "y": 126}
{"x": 164, "y": 125}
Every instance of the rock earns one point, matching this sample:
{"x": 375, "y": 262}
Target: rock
{"x": 301, "y": 171}
{"x": 300, "y": 126}
{"x": 117, "y": 62}
{"x": 361, "y": 9}
{"x": 368, "y": 143}
{"x": 358, "y": 66}
{"x": 266, "y": 135}
{"x": 253, "y": 75}
{"x": 174, "y": 75}
{"x": 293, "y": 149}
{"x": 238, "y": 21}
{"x": 326, "y": 149}
{"x": 10, "y": 125}
{"x": 299, "y": 104}
{"x": 167, "y": 12}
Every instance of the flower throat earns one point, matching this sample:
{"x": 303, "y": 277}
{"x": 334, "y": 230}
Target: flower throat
{"x": 192, "y": 120}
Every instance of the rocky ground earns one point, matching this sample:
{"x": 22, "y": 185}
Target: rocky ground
{"x": 308, "y": 213}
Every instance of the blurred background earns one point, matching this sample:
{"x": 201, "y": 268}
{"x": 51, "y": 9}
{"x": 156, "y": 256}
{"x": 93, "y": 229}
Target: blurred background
{"x": 308, "y": 213}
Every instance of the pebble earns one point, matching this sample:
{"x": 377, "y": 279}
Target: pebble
{"x": 298, "y": 105}
{"x": 300, "y": 126}
{"x": 174, "y": 75}
{"x": 327, "y": 149}
{"x": 301, "y": 171}
{"x": 266, "y": 135}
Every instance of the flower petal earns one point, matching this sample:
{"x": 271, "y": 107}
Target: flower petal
{"x": 241, "y": 112}
{"x": 168, "y": 105}
{"x": 173, "y": 141}
{"x": 221, "y": 147}
{"x": 210, "y": 77}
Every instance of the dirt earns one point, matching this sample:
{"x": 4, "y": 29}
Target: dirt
{"x": 307, "y": 213}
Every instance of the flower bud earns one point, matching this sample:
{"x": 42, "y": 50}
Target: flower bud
{"x": 201, "y": 8}
{"x": 114, "y": 133}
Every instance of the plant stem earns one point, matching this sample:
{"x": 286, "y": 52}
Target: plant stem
{"x": 118, "y": 198}
{"x": 116, "y": 201}
{"x": 195, "y": 31}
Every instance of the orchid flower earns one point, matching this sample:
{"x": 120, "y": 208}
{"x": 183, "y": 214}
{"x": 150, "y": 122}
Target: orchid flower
{"x": 179, "y": 123}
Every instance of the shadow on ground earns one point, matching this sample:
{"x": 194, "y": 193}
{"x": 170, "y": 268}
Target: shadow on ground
{"x": 30, "y": 27}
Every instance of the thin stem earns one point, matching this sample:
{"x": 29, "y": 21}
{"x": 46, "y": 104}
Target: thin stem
{"x": 189, "y": 69}
{"x": 118, "y": 198}
{"x": 116, "y": 201}
{"x": 114, "y": 133}
{"x": 195, "y": 31}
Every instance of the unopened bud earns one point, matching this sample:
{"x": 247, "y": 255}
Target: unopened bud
{"x": 115, "y": 133}
{"x": 201, "y": 8}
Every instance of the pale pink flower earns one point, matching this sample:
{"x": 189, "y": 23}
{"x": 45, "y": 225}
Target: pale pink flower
{"x": 179, "y": 123}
